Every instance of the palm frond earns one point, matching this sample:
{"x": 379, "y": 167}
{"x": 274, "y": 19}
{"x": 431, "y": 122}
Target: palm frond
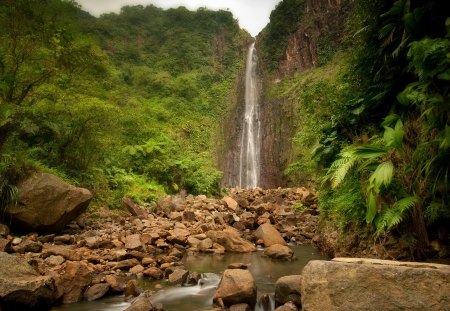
{"x": 382, "y": 176}
{"x": 394, "y": 215}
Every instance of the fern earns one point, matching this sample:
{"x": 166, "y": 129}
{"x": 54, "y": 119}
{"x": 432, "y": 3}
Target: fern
{"x": 393, "y": 216}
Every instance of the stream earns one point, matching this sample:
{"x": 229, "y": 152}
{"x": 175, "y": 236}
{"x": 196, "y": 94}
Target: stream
{"x": 199, "y": 297}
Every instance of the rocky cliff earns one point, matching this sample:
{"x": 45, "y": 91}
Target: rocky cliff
{"x": 318, "y": 35}
{"x": 319, "y": 32}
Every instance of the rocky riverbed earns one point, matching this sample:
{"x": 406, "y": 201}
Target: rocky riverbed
{"x": 103, "y": 253}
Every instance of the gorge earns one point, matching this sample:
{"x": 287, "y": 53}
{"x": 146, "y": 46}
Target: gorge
{"x": 168, "y": 160}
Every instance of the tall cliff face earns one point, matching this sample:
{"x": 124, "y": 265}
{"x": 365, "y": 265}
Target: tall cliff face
{"x": 319, "y": 32}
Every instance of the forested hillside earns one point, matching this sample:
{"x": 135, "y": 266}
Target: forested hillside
{"x": 125, "y": 104}
{"x": 368, "y": 97}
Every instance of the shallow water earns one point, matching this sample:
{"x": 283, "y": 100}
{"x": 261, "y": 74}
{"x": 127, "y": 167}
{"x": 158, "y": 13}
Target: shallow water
{"x": 199, "y": 297}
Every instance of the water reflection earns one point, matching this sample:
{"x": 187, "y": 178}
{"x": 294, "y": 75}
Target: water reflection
{"x": 199, "y": 297}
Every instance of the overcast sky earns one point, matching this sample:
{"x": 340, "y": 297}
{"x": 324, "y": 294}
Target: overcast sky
{"x": 253, "y": 15}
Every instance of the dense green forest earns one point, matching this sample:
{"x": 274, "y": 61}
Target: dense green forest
{"x": 124, "y": 104}
{"x": 373, "y": 118}
{"x": 130, "y": 104}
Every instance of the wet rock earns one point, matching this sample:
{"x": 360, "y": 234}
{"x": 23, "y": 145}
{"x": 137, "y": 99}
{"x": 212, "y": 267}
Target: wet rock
{"x": 288, "y": 288}
{"x": 28, "y": 246}
{"x": 47, "y": 204}
{"x": 193, "y": 278}
{"x": 178, "y": 276}
{"x": 21, "y": 286}
{"x": 116, "y": 283}
{"x": 132, "y": 289}
{"x": 269, "y": 235}
{"x": 96, "y": 291}
{"x": 142, "y": 303}
{"x": 72, "y": 284}
{"x": 231, "y": 240}
{"x": 236, "y": 286}
{"x": 281, "y": 252}
{"x": 343, "y": 284}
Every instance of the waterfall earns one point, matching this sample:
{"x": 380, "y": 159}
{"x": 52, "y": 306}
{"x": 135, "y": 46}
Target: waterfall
{"x": 249, "y": 157}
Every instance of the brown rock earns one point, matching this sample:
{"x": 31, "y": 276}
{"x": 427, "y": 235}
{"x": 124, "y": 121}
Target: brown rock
{"x": 21, "y": 286}
{"x": 137, "y": 269}
{"x": 5, "y": 245}
{"x": 231, "y": 240}
{"x": 344, "y": 284}
{"x": 133, "y": 208}
{"x": 96, "y": 291}
{"x": 126, "y": 264}
{"x": 28, "y": 246}
{"x": 240, "y": 307}
{"x": 231, "y": 203}
{"x": 154, "y": 273}
{"x": 132, "y": 289}
{"x": 60, "y": 250}
{"x": 47, "y": 204}
{"x": 133, "y": 242}
{"x": 288, "y": 288}
{"x": 117, "y": 284}
{"x": 71, "y": 285}
{"x": 178, "y": 276}
{"x": 236, "y": 286}
{"x": 269, "y": 235}
{"x": 277, "y": 251}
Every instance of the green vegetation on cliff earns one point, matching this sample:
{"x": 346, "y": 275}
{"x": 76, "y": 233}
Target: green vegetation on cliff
{"x": 125, "y": 104}
{"x": 373, "y": 122}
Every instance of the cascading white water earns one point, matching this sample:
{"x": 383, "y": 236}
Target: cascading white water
{"x": 249, "y": 161}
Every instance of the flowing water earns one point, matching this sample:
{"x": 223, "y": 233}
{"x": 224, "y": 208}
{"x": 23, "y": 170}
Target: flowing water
{"x": 249, "y": 160}
{"x": 199, "y": 297}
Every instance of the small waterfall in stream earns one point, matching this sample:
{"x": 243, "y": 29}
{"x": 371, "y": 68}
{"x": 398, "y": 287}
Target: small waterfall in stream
{"x": 249, "y": 157}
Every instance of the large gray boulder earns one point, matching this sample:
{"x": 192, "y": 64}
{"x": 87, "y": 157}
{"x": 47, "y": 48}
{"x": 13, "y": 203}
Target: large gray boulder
{"x": 47, "y": 203}
{"x": 236, "y": 286}
{"x": 370, "y": 284}
{"x": 22, "y": 287}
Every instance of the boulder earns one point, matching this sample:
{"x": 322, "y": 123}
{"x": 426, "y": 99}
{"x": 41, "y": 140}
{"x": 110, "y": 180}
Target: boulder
{"x": 236, "y": 286}
{"x": 269, "y": 235}
{"x": 21, "y": 286}
{"x": 240, "y": 307}
{"x": 288, "y": 288}
{"x": 96, "y": 291}
{"x": 47, "y": 203}
{"x": 154, "y": 273}
{"x": 60, "y": 250}
{"x": 231, "y": 240}
{"x": 141, "y": 303}
{"x": 179, "y": 276}
{"x": 133, "y": 241}
{"x": 72, "y": 284}
{"x": 277, "y": 251}
{"x": 370, "y": 284}
{"x": 230, "y": 202}
{"x": 133, "y": 208}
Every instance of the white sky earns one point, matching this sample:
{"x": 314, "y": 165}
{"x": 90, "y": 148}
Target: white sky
{"x": 253, "y": 15}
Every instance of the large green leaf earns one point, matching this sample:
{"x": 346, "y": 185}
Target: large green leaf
{"x": 371, "y": 208}
{"x": 382, "y": 176}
